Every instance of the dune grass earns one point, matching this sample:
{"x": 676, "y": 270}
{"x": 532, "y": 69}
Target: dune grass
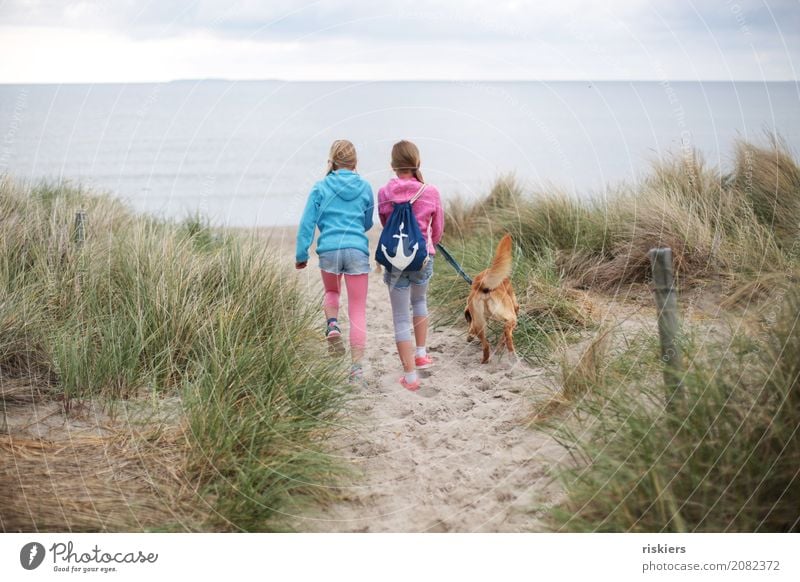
{"x": 741, "y": 231}
{"x": 769, "y": 179}
{"x": 736, "y": 227}
{"x": 146, "y": 309}
{"x": 724, "y": 460}
{"x": 124, "y": 482}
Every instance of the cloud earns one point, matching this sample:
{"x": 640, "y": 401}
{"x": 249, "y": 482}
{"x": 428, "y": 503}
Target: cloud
{"x": 350, "y": 39}
{"x": 451, "y": 19}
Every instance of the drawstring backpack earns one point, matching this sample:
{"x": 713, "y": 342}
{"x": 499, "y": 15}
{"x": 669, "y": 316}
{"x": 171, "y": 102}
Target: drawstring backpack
{"x": 402, "y": 246}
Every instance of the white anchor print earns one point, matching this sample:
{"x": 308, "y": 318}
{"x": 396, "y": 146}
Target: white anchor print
{"x": 400, "y": 260}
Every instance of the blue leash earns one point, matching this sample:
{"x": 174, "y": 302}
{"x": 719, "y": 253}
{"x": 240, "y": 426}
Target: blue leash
{"x": 453, "y": 263}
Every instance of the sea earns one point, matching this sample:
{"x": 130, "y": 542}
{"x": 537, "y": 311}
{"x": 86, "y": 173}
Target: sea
{"x": 246, "y": 153}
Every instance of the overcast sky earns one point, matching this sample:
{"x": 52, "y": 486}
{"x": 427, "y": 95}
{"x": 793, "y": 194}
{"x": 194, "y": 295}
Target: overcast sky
{"x": 161, "y": 40}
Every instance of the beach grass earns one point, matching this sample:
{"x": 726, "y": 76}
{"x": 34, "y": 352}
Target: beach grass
{"x": 735, "y": 226}
{"x": 739, "y": 230}
{"x": 146, "y": 309}
{"x": 723, "y": 457}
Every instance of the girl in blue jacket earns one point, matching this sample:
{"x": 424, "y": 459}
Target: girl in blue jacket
{"x": 341, "y": 207}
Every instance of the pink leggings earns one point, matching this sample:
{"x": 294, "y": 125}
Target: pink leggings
{"x": 356, "y": 302}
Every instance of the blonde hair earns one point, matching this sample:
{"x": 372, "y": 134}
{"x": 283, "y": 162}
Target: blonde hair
{"x": 341, "y": 155}
{"x": 405, "y": 158}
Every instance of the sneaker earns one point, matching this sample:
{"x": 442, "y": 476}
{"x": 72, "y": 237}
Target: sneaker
{"x": 413, "y": 386}
{"x": 333, "y": 331}
{"x": 357, "y": 376}
{"x": 424, "y": 362}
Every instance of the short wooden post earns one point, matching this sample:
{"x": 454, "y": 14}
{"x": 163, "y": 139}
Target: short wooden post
{"x": 79, "y": 233}
{"x": 79, "y": 237}
{"x": 668, "y": 324}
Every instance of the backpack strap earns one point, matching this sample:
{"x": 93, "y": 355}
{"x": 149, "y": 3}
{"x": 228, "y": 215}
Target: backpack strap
{"x": 418, "y": 194}
{"x": 414, "y": 199}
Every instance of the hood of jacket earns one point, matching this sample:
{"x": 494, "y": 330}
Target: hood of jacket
{"x": 402, "y": 190}
{"x": 345, "y": 184}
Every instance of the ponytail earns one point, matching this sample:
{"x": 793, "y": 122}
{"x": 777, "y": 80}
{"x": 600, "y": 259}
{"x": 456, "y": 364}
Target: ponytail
{"x": 405, "y": 158}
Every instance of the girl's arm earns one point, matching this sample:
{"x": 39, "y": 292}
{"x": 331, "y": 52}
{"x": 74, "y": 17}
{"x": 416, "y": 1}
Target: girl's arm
{"x": 437, "y": 219}
{"x": 369, "y": 211}
{"x": 308, "y": 224}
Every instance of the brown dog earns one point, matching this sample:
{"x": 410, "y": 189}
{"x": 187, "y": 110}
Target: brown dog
{"x": 492, "y": 297}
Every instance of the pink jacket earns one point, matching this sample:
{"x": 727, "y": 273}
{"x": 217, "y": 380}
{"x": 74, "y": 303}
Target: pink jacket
{"x": 427, "y": 208}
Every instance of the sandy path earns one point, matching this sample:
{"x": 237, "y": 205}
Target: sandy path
{"x": 454, "y": 456}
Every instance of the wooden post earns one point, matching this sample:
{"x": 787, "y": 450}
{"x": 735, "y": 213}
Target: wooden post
{"x": 79, "y": 237}
{"x": 80, "y": 228}
{"x": 668, "y": 324}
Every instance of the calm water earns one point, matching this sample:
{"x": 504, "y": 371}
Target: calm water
{"x": 246, "y": 153}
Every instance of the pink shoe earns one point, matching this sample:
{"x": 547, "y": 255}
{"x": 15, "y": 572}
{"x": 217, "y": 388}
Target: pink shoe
{"x": 413, "y": 386}
{"x": 424, "y": 362}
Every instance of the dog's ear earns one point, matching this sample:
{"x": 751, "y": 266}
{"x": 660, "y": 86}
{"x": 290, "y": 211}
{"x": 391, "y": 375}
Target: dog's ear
{"x": 467, "y": 315}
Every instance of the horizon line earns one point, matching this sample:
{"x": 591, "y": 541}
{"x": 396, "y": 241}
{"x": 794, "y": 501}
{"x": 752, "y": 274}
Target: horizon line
{"x": 368, "y": 81}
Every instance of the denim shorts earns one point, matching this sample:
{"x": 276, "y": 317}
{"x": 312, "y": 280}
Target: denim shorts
{"x": 344, "y": 262}
{"x": 405, "y": 278}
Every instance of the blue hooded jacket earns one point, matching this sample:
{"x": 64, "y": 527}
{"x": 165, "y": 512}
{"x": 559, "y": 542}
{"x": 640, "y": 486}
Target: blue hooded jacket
{"x": 341, "y": 206}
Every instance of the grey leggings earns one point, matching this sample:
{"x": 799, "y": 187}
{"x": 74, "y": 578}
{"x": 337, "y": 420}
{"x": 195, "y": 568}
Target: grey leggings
{"x": 413, "y": 296}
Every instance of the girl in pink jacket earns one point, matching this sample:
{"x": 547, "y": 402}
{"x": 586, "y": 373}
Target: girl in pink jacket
{"x": 408, "y": 290}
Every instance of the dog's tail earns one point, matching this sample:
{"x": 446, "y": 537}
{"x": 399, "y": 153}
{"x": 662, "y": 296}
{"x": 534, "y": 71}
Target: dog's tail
{"x": 501, "y": 265}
